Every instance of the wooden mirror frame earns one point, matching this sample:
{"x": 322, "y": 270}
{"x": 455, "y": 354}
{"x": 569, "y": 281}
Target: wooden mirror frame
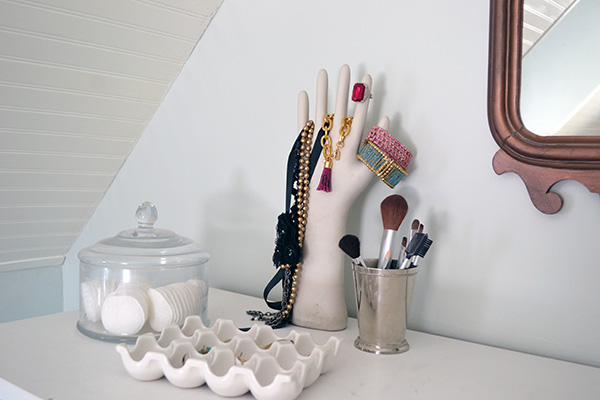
{"x": 540, "y": 161}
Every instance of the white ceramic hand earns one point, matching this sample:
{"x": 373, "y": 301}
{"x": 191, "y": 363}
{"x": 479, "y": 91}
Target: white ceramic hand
{"x": 320, "y": 301}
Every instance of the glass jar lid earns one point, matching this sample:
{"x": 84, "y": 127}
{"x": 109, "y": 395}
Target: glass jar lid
{"x": 145, "y": 246}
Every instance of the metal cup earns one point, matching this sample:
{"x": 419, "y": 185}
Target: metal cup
{"x": 382, "y": 302}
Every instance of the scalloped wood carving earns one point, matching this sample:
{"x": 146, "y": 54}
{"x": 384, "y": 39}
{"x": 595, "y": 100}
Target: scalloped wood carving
{"x": 539, "y": 180}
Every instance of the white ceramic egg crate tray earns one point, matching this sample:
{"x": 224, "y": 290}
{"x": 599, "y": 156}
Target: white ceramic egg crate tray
{"x": 229, "y": 361}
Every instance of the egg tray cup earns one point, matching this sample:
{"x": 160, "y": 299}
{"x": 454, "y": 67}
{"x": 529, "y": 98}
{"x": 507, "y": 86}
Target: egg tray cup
{"x": 230, "y": 361}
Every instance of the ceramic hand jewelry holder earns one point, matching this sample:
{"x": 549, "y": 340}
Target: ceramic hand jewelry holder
{"x": 320, "y": 297}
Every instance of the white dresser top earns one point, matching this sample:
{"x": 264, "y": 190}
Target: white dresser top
{"x": 49, "y": 358}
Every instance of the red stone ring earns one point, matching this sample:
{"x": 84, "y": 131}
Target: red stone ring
{"x": 360, "y": 93}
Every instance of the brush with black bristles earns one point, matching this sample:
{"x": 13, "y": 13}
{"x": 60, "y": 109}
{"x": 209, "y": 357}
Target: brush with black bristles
{"x": 350, "y": 245}
{"x": 418, "y": 247}
{"x": 393, "y": 211}
{"x": 415, "y": 259}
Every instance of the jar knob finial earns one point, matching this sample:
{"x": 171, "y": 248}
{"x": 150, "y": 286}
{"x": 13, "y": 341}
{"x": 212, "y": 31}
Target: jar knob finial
{"x": 146, "y": 215}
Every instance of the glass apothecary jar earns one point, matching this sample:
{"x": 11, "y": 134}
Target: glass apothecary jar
{"x": 141, "y": 281}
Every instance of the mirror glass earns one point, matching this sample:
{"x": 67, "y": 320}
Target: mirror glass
{"x": 560, "y": 77}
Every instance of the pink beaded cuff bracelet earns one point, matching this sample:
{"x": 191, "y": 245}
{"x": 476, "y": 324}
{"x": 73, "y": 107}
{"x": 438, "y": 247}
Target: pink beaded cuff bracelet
{"x": 385, "y": 156}
{"x": 390, "y": 146}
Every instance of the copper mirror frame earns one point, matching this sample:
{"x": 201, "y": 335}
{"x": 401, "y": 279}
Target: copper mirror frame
{"x": 540, "y": 161}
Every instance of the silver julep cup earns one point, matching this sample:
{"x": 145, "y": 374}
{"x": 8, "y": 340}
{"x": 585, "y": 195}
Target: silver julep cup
{"x": 382, "y": 303}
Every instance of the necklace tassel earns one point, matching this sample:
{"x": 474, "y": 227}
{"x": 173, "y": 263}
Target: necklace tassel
{"x": 325, "y": 182}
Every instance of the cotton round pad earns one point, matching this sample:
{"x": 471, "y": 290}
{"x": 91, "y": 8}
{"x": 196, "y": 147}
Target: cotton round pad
{"x": 125, "y": 312}
{"x": 93, "y": 294}
{"x": 161, "y": 311}
{"x": 90, "y": 301}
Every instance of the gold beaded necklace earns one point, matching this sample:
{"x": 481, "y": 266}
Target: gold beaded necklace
{"x": 288, "y": 273}
{"x": 301, "y": 202}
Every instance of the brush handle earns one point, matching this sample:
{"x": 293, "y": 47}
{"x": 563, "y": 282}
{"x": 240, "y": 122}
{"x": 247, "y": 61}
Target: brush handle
{"x": 359, "y": 260}
{"x": 387, "y": 244}
{"x": 413, "y": 259}
{"x": 406, "y": 263}
{"x": 411, "y": 234}
{"x": 398, "y": 252}
{"x": 402, "y": 253}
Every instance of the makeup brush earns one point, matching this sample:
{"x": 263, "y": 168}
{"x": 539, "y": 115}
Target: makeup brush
{"x": 414, "y": 228}
{"x": 418, "y": 247}
{"x": 393, "y": 211}
{"x": 350, "y": 245}
{"x": 402, "y": 253}
{"x": 387, "y": 260}
{"x": 415, "y": 259}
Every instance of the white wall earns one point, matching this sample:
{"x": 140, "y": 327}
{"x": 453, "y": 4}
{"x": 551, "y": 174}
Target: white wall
{"x": 30, "y": 292}
{"x": 213, "y": 161}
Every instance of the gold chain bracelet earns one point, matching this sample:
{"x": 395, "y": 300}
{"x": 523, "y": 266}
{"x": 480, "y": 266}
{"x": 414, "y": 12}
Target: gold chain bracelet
{"x": 344, "y": 131}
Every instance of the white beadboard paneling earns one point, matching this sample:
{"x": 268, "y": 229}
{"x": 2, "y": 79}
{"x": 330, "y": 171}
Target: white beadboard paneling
{"x": 170, "y": 18}
{"x": 539, "y": 16}
{"x": 16, "y": 247}
{"x": 206, "y": 7}
{"x": 85, "y": 57}
{"x": 53, "y": 196}
{"x": 80, "y": 81}
{"x": 54, "y": 101}
{"x": 35, "y": 74}
{"x": 33, "y": 181}
{"x": 548, "y": 9}
{"x": 35, "y": 120}
{"x": 43, "y": 227}
{"x": 35, "y": 251}
{"x": 92, "y": 32}
{"x": 538, "y": 20}
{"x": 58, "y": 162}
{"x": 13, "y": 213}
{"x": 64, "y": 143}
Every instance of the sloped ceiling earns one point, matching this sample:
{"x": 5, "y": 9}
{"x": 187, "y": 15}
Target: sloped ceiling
{"x": 539, "y": 17}
{"x": 79, "y": 81}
